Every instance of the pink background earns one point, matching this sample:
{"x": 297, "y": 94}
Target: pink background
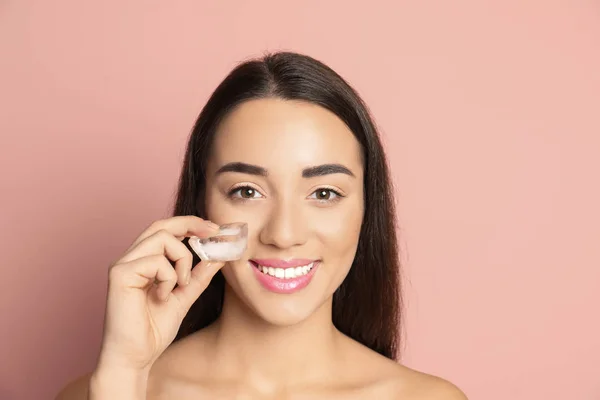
{"x": 490, "y": 112}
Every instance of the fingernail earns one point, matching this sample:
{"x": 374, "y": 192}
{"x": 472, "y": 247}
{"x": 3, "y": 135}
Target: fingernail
{"x": 213, "y": 225}
{"x": 187, "y": 278}
{"x": 215, "y": 264}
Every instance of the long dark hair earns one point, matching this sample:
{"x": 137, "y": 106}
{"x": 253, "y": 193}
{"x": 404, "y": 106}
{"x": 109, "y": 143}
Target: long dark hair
{"x": 367, "y": 305}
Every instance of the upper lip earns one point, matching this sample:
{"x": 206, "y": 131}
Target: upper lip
{"x": 279, "y": 263}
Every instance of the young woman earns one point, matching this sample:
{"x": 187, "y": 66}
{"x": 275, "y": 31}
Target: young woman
{"x": 312, "y": 309}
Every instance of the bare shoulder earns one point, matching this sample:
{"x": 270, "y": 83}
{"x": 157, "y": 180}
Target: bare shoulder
{"x": 388, "y": 379}
{"x": 417, "y": 385}
{"x": 75, "y": 390}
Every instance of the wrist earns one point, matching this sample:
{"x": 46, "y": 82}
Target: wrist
{"x": 118, "y": 383}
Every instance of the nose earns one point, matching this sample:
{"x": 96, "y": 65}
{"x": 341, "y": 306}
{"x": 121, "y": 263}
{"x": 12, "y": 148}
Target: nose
{"x": 285, "y": 227}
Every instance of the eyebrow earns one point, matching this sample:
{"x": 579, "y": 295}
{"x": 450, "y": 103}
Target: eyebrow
{"x": 325, "y": 169}
{"x": 309, "y": 172}
{"x": 243, "y": 168}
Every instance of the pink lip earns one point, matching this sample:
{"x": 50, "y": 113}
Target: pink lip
{"x": 283, "y": 286}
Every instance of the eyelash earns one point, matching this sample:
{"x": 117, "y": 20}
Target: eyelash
{"x": 338, "y": 195}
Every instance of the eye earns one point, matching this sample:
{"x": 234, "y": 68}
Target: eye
{"x": 244, "y": 192}
{"x": 325, "y": 194}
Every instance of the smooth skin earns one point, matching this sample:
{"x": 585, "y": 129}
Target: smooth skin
{"x": 264, "y": 345}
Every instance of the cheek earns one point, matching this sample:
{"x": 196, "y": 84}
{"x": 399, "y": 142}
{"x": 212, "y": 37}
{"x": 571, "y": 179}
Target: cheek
{"x": 221, "y": 210}
{"x": 339, "y": 228}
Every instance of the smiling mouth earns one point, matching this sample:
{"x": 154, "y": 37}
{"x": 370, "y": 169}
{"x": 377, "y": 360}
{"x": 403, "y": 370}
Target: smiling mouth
{"x": 285, "y": 273}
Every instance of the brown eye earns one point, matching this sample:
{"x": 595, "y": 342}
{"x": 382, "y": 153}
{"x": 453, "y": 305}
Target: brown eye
{"x": 323, "y": 194}
{"x": 244, "y": 193}
{"x": 247, "y": 193}
{"x": 326, "y": 196}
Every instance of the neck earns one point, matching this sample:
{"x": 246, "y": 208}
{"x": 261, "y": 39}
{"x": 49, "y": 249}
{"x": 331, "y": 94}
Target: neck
{"x": 249, "y": 348}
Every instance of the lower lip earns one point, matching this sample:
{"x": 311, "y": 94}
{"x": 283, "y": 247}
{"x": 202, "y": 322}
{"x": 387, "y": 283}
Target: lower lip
{"x": 284, "y": 286}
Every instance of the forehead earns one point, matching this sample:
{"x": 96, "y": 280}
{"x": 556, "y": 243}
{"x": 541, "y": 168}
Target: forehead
{"x": 285, "y": 134}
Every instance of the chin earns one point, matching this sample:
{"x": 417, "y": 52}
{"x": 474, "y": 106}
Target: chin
{"x": 280, "y": 314}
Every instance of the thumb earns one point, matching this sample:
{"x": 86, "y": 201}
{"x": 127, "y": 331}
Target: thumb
{"x": 201, "y": 276}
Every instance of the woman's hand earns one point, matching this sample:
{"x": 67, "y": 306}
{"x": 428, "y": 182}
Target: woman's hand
{"x": 144, "y": 308}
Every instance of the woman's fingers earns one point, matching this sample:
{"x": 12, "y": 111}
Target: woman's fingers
{"x": 179, "y": 227}
{"x": 164, "y": 243}
{"x": 143, "y": 272}
{"x": 149, "y": 260}
{"x": 201, "y": 276}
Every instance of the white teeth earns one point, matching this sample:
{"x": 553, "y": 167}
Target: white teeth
{"x": 286, "y": 273}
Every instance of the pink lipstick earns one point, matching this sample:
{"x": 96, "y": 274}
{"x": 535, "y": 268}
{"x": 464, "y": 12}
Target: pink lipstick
{"x": 284, "y": 276}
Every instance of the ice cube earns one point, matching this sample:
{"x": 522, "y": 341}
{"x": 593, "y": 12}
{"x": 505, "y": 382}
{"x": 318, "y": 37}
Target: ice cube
{"x": 228, "y": 245}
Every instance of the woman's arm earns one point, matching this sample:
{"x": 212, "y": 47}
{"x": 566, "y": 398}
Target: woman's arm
{"x": 107, "y": 385}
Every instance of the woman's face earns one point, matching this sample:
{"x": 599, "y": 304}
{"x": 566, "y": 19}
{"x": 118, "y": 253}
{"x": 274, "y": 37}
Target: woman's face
{"x": 293, "y": 171}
